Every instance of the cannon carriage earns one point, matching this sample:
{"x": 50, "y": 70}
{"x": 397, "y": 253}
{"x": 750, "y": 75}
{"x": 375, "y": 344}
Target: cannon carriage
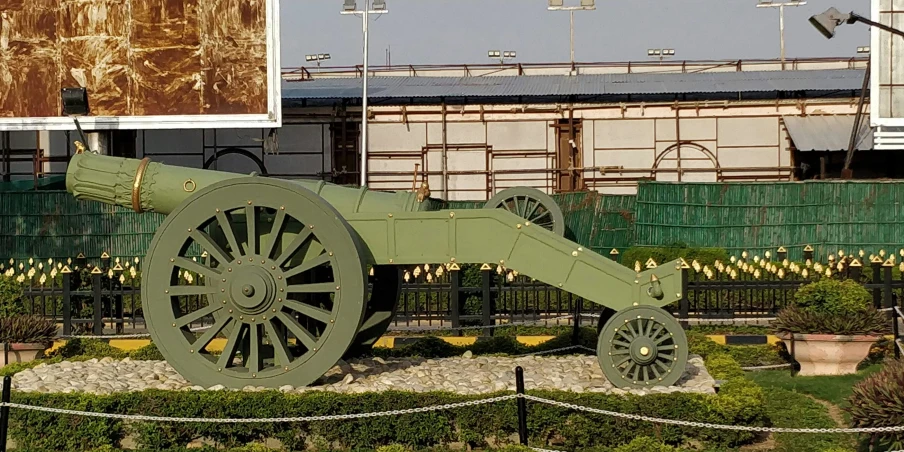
{"x": 285, "y": 267}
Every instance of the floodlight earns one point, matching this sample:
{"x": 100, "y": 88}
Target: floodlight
{"x": 75, "y": 101}
{"x": 309, "y": 57}
{"x": 864, "y": 49}
{"x": 379, "y": 5}
{"x": 827, "y": 21}
{"x": 326, "y": 56}
{"x": 652, "y": 52}
{"x": 493, "y": 54}
{"x": 668, "y": 52}
{"x": 556, "y": 3}
{"x": 588, "y": 3}
{"x": 350, "y": 5}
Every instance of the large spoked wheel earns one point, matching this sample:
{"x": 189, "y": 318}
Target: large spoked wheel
{"x": 531, "y": 204}
{"x": 381, "y": 309}
{"x": 284, "y": 282}
{"x": 642, "y": 346}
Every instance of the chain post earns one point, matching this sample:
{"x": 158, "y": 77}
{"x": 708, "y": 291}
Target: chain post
{"x": 886, "y": 286}
{"x": 877, "y": 280}
{"x": 522, "y": 406}
{"x": 4, "y": 411}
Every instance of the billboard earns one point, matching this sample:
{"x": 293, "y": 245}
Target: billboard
{"x": 146, "y": 64}
{"x": 887, "y": 65}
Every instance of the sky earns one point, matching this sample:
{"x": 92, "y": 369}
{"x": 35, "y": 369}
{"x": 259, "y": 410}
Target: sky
{"x": 462, "y": 31}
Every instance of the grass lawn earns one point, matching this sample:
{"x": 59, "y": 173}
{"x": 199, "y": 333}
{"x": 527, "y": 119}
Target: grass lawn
{"x": 809, "y": 402}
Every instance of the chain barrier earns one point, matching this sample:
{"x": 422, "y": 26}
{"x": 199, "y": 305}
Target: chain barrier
{"x": 638, "y": 417}
{"x": 335, "y": 417}
{"x": 475, "y": 327}
{"x": 122, "y": 336}
{"x": 561, "y": 349}
{"x": 771, "y": 366}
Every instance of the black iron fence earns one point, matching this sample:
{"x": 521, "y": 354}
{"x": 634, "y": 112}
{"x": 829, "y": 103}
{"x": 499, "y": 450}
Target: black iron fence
{"x": 105, "y": 297}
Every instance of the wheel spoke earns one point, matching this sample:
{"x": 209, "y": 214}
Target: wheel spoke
{"x": 662, "y": 339}
{"x": 279, "y": 344}
{"x": 186, "y": 290}
{"x": 625, "y": 335}
{"x": 655, "y": 334}
{"x": 197, "y": 315}
{"x": 208, "y": 335}
{"x": 274, "y": 232}
{"x": 306, "y": 338}
{"x": 231, "y": 347}
{"x": 315, "y": 313}
{"x": 226, "y": 226}
{"x": 254, "y": 345}
{"x": 312, "y": 288}
{"x": 653, "y": 367}
{"x": 627, "y": 370}
{"x": 307, "y": 265}
{"x": 533, "y": 210}
{"x": 190, "y": 265}
{"x": 208, "y": 244}
{"x": 630, "y": 327}
{"x": 623, "y": 351}
{"x": 251, "y": 225}
{"x": 649, "y": 327}
{"x": 646, "y": 373}
{"x": 624, "y": 360}
{"x": 623, "y": 344}
{"x": 289, "y": 250}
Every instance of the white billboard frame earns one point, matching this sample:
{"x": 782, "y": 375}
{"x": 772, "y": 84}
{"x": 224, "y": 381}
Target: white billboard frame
{"x": 272, "y": 119}
{"x": 876, "y": 119}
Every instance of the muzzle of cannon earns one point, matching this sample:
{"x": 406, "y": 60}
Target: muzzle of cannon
{"x": 283, "y": 266}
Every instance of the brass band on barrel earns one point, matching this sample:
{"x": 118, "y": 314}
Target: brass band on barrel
{"x": 136, "y": 185}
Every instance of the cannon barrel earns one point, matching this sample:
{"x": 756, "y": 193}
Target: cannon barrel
{"x": 146, "y": 186}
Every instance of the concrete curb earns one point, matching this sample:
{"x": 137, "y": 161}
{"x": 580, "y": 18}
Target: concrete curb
{"x": 399, "y": 341}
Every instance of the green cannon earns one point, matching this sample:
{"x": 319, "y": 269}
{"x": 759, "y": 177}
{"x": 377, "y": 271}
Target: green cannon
{"x": 284, "y": 267}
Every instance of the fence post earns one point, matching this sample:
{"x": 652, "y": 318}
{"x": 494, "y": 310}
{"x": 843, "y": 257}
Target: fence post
{"x": 877, "y": 279}
{"x": 4, "y": 411}
{"x": 67, "y": 303}
{"x": 684, "y": 307}
{"x": 576, "y": 329}
{"x": 886, "y": 284}
{"x": 98, "y": 304}
{"x": 522, "y": 406}
{"x": 454, "y": 298}
{"x": 487, "y": 302}
{"x": 895, "y": 332}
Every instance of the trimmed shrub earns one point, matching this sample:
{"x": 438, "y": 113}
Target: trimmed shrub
{"x": 831, "y": 306}
{"x": 723, "y": 367}
{"x": 147, "y": 353}
{"x": 878, "y": 401}
{"x": 94, "y": 348}
{"x": 705, "y": 256}
{"x": 11, "y": 292}
{"x": 645, "y": 444}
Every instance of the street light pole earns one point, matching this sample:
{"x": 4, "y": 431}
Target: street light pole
{"x": 379, "y": 7}
{"x": 781, "y": 19}
{"x": 557, "y": 5}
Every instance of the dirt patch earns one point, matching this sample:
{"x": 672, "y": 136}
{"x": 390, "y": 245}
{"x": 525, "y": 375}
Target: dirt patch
{"x": 766, "y": 442}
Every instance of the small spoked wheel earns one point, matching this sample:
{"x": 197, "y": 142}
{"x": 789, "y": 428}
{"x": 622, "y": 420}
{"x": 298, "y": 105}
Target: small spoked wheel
{"x": 642, "y": 346}
{"x": 283, "y": 285}
{"x": 531, "y": 204}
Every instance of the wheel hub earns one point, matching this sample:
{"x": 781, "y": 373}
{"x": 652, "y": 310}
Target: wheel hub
{"x": 252, "y": 286}
{"x": 643, "y": 351}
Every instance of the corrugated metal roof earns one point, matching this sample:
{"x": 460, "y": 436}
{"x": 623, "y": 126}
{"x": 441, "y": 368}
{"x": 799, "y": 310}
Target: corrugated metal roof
{"x": 579, "y": 85}
{"x": 828, "y": 132}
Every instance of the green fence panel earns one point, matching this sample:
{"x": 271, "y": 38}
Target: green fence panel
{"x": 828, "y": 215}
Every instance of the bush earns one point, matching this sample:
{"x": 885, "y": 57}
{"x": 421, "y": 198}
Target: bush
{"x": 704, "y": 256}
{"x": 878, "y": 401}
{"x": 831, "y": 306}
{"x": 744, "y": 355}
{"x": 11, "y": 293}
{"x": 92, "y": 348}
{"x": 645, "y": 444}
{"x": 723, "y": 367}
{"x": 147, "y": 353}
{"x": 831, "y": 296}
{"x": 33, "y": 329}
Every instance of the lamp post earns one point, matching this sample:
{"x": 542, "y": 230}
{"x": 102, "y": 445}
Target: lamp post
{"x": 781, "y": 19}
{"x": 825, "y": 23}
{"x": 660, "y": 53}
{"x": 559, "y": 5}
{"x": 317, "y": 58}
{"x": 502, "y": 56}
{"x": 351, "y": 7}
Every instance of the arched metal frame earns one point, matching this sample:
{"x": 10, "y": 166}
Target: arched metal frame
{"x": 690, "y": 144}
{"x": 234, "y": 150}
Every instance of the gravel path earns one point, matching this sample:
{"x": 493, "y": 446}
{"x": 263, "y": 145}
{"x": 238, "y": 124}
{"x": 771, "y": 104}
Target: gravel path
{"x": 463, "y": 375}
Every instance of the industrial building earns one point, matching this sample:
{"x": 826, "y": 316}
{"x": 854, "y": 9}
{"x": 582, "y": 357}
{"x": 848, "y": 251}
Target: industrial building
{"x": 469, "y": 131}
